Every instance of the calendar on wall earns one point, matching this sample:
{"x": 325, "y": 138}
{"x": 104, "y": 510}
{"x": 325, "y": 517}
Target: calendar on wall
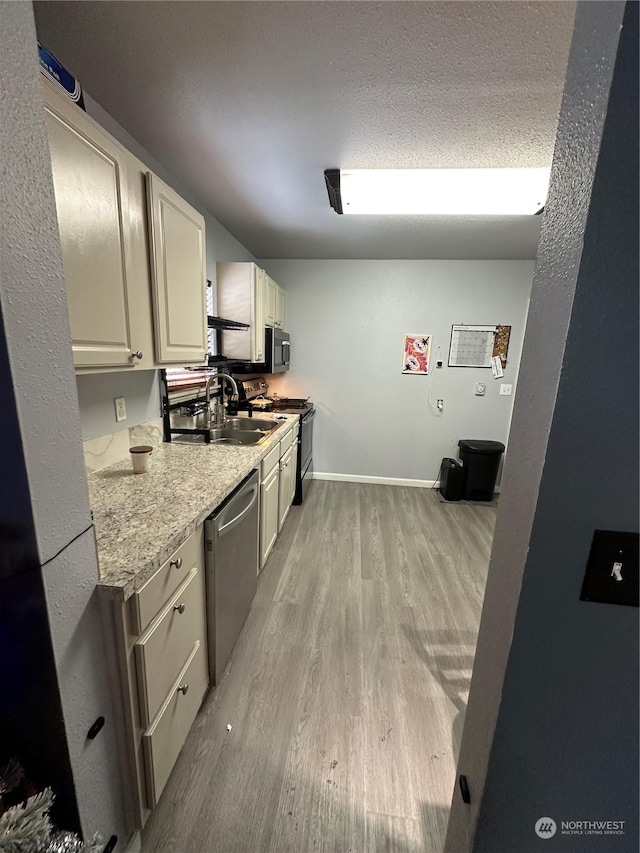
{"x": 472, "y": 346}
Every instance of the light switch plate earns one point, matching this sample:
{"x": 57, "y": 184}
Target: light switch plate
{"x": 612, "y": 570}
{"x": 505, "y": 390}
{"x": 121, "y": 408}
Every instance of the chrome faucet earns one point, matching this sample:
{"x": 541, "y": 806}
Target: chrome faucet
{"x": 210, "y": 381}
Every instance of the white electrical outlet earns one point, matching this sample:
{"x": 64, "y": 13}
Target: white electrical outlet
{"x": 121, "y": 408}
{"x": 505, "y": 390}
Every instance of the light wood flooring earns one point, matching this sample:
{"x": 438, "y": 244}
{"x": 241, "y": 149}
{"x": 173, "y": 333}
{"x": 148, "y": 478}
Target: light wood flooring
{"x": 347, "y": 689}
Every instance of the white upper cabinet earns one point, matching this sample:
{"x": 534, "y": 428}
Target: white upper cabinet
{"x": 281, "y": 300}
{"x": 270, "y": 314}
{"x": 241, "y": 295}
{"x": 90, "y": 182}
{"x": 259, "y": 318}
{"x": 178, "y": 275}
{"x": 275, "y": 304}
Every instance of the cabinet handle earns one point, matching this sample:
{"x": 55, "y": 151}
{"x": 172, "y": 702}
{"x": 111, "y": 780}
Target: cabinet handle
{"x": 183, "y": 689}
{"x": 176, "y": 563}
{"x": 179, "y": 607}
{"x": 137, "y": 354}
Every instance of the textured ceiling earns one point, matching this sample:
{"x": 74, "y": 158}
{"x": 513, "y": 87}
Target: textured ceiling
{"x": 246, "y": 103}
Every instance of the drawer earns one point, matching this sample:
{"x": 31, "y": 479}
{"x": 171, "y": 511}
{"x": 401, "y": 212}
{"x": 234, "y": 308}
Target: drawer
{"x": 164, "y": 739}
{"x": 149, "y": 600}
{"x": 164, "y": 647}
{"x": 270, "y": 461}
{"x": 286, "y": 441}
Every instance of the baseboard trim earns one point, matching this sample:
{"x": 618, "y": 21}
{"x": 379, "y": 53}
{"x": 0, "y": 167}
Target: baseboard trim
{"x": 382, "y": 481}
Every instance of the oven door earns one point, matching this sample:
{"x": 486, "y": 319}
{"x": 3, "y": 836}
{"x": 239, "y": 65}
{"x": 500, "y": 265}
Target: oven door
{"x": 306, "y": 439}
{"x": 305, "y": 460}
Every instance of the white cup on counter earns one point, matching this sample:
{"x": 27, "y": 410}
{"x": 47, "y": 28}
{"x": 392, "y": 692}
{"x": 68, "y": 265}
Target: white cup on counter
{"x": 140, "y": 456}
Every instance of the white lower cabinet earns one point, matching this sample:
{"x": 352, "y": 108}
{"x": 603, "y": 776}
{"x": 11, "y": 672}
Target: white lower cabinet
{"x": 167, "y": 643}
{"x": 277, "y": 490}
{"x": 165, "y": 737}
{"x": 162, "y": 644}
{"x": 287, "y": 486}
{"x": 269, "y": 517}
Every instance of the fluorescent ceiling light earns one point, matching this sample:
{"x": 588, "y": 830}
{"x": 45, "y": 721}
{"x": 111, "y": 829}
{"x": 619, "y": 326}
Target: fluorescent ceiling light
{"x": 439, "y": 192}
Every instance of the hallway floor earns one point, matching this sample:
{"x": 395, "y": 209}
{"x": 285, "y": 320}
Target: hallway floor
{"x": 347, "y": 690}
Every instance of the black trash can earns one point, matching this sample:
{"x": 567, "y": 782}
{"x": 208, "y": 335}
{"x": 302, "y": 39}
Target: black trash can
{"x": 481, "y": 460}
{"x": 451, "y": 480}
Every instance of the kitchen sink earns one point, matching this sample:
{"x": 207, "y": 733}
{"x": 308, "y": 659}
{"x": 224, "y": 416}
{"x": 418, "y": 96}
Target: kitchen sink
{"x": 234, "y": 435}
{"x": 235, "y": 431}
{"x": 250, "y": 424}
{"x": 222, "y": 435}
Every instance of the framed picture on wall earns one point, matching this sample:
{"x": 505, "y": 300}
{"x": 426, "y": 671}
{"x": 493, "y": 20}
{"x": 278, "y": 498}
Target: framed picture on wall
{"x": 415, "y": 358}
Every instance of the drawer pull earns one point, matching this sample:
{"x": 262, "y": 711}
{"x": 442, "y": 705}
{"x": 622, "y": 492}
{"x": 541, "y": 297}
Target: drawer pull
{"x": 177, "y": 563}
{"x": 179, "y": 607}
{"x": 183, "y": 689}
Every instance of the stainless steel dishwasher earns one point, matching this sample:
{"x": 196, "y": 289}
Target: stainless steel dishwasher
{"x": 231, "y": 535}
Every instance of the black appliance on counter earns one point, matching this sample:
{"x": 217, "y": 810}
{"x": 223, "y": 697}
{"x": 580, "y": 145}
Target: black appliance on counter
{"x": 277, "y": 354}
{"x": 251, "y": 397}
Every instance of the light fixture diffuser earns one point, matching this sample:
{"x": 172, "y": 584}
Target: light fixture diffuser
{"x": 441, "y": 192}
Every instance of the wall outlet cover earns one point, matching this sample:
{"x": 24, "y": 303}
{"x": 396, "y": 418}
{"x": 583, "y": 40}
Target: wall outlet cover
{"x": 121, "y": 408}
{"x": 506, "y": 390}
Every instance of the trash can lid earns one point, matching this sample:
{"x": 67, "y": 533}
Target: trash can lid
{"x": 477, "y": 445}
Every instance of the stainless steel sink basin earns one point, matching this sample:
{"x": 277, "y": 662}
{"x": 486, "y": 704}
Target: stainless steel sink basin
{"x": 250, "y": 424}
{"x": 222, "y": 435}
{"x": 233, "y": 435}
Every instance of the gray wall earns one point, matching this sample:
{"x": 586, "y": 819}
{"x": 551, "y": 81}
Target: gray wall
{"x": 347, "y": 321}
{"x": 33, "y": 305}
{"x": 97, "y": 392}
{"x": 565, "y": 742}
{"x": 140, "y": 389}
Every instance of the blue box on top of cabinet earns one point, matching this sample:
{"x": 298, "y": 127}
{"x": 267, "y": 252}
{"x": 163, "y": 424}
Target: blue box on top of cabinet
{"x": 59, "y": 76}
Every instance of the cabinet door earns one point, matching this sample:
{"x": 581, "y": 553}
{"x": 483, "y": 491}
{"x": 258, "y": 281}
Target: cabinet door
{"x": 178, "y": 275}
{"x": 280, "y": 307}
{"x": 269, "y": 517}
{"x": 259, "y": 314}
{"x": 285, "y": 495}
{"x": 90, "y": 184}
{"x": 270, "y": 319}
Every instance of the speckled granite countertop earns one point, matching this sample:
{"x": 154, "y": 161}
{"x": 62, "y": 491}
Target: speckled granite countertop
{"x": 140, "y": 520}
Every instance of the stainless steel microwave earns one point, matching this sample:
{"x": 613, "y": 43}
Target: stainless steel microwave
{"x": 278, "y": 354}
{"x": 278, "y": 347}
